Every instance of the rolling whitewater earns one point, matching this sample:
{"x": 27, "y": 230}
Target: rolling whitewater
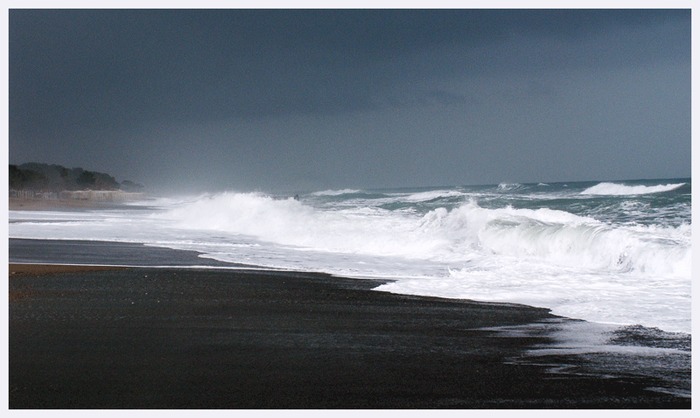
{"x": 615, "y": 252}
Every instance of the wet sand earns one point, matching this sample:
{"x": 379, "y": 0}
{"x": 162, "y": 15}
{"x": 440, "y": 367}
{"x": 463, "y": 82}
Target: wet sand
{"x": 20, "y": 269}
{"x": 15, "y": 203}
{"x": 46, "y": 204}
{"x": 86, "y": 337}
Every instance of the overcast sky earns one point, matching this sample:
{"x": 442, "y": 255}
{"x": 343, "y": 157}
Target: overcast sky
{"x": 274, "y": 100}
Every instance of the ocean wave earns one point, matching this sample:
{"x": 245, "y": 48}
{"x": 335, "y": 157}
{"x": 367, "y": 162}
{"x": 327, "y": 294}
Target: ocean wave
{"x": 432, "y": 195}
{"x": 560, "y": 238}
{"x": 580, "y": 266}
{"x": 554, "y": 237}
{"x": 616, "y": 189}
{"x": 339, "y": 192}
{"x": 506, "y": 187}
{"x": 358, "y": 230}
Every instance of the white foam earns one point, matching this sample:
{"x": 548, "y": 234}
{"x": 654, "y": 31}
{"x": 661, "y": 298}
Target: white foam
{"x": 336, "y": 192}
{"x": 370, "y": 231}
{"x": 544, "y": 236}
{"x": 432, "y": 195}
{"x": 615, "y": 189}
{"x": 509, "y": 186}
{"x": 576, "y": 265}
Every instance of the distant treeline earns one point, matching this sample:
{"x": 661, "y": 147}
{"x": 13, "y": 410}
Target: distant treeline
{"x": 56, "y": 178}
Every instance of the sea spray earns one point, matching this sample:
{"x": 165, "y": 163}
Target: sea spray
{"x": 363, "y": 230}
{"x": 449, "y": 235}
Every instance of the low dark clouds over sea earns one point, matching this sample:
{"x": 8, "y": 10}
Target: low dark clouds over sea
{"x": 281, "y": 99}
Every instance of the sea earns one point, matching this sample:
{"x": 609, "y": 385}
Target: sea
{"x": 606, "y": 252}
{"x": 614, "y": 254}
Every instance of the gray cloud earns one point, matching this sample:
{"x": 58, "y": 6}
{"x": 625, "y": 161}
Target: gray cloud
{"x": 306, "y": 98}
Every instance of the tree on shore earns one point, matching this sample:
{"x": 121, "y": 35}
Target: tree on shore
{"x": 86, "y": 180}
{"x": 26, "y": 179}
{"x": 56, "y": 178}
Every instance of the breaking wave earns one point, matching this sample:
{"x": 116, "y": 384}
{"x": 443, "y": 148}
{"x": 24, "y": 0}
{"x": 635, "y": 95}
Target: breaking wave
{"x": 466, "y": 232}
{"x": 336, "y": 192}
{"x": 615, "y": 259}
{"x": 506, "y": 187}
{"x": 432, "y": 195}
{"x": 615, "y": 189}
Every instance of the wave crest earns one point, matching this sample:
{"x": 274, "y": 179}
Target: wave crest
{"x": 467, "y": 232}
{"x": 432, "y": 195}
{"x": 332, "y": 192}
{"x": 616, "y": 189}
{"x": 505, "y": 187}
{"x": 363, "y": 230}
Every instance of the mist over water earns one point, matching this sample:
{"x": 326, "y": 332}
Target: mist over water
{"x": 610, "y": 252}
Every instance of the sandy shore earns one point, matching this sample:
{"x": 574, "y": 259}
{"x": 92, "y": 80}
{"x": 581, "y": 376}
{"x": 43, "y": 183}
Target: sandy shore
{"x": 49, "y": 204}
{"x": 39, "y": 269}
{"x": 86, "y": 337}
{"x": 16, "y": 203}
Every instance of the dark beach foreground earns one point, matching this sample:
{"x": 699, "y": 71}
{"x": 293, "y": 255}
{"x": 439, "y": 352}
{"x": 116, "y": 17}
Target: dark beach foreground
{"x": 90, "y": 337}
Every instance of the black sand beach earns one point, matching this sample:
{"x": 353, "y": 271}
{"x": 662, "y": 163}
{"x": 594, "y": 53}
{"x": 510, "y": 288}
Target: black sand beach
{"x": 210, "y": 338}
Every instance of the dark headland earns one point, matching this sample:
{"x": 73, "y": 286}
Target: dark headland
{"x": 41, "y": 186}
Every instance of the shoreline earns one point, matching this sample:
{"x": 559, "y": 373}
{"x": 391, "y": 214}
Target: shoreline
{"x": 63, "y": 203}
{"x": 133, "y": 254}
{"x": 112, "y": 337}
{"x": 86, "y": 331}
{"x": 41, "y": 269}
{"x": 105, "y": 253}
{"x": 28, "y": 204}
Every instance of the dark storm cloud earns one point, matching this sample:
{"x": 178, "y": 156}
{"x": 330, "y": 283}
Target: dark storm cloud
{"x": 118, "y": 74}
{"x": 107, "y": 67}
